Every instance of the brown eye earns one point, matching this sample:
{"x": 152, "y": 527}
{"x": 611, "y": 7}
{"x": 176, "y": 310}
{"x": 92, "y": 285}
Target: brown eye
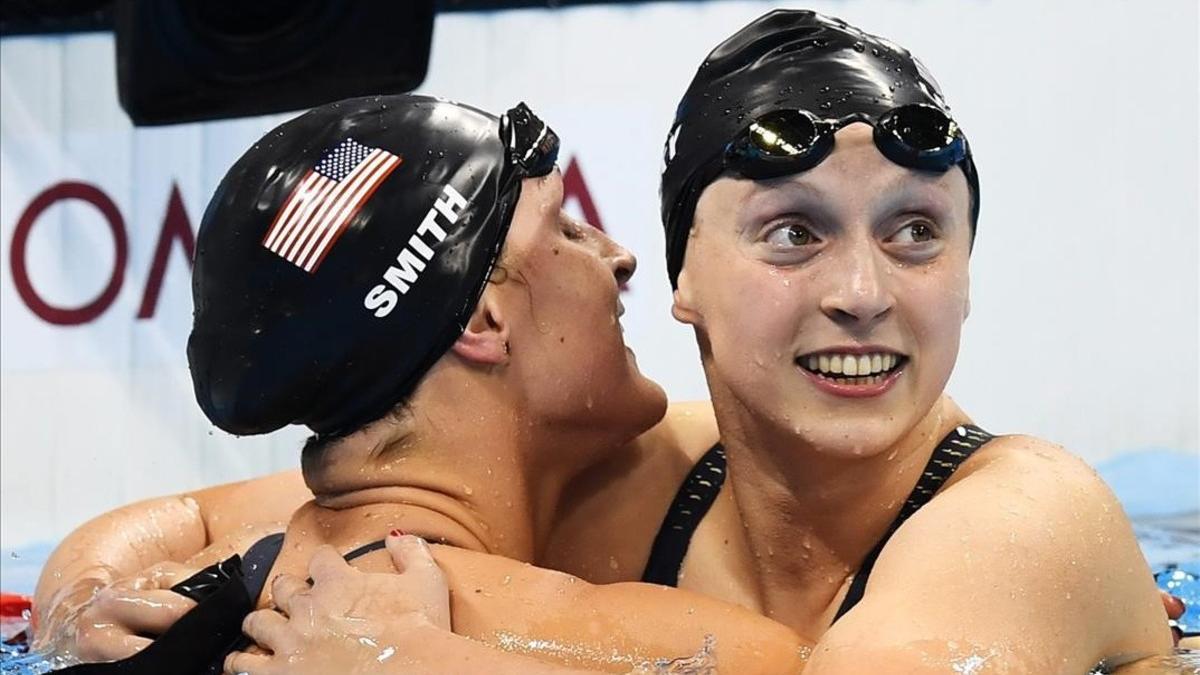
{"x": 790, "y": 235}
{"x": 914, "y": 233}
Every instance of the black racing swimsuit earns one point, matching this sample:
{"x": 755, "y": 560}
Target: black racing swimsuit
{"x": 700, "y": 489}
{"x": 198, "y": 643}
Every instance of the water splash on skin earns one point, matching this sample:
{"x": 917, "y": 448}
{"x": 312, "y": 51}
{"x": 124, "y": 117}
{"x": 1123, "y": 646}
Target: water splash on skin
{"x": 702, "y": 662}
{"x": 969, "y": 665}
{"x": 579, "y": 653}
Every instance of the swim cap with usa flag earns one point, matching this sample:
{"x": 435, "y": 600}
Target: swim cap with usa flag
{"x": 342, "y": 255}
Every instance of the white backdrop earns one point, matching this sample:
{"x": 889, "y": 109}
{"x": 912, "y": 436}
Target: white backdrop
{"x": 1083, "y": 116}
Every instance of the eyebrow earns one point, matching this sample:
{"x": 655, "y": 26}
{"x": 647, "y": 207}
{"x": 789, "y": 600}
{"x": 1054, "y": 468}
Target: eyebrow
{"x": 914, "y": 185}
{"x": 768, "y": 196}
{"x": 785, "y": 196}
{"x": 902, "y": 187}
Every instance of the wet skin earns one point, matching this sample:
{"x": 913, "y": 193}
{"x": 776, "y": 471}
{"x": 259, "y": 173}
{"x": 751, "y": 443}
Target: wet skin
{"x": 858, "y": 252}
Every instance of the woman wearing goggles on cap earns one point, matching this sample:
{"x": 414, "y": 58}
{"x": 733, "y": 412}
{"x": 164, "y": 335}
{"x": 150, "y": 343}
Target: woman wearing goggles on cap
{"x": 820, "y": 207}
{"x": 820, "y": 211}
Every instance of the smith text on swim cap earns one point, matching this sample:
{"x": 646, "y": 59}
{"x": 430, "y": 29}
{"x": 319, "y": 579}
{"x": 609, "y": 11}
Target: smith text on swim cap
{"x": 409, "y": 266}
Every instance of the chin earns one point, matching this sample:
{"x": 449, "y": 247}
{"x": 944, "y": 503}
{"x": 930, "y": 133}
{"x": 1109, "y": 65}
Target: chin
{"x": 647, "y": 402}
{"x": 860, "y": 443}
{"x": 835, "y": 428}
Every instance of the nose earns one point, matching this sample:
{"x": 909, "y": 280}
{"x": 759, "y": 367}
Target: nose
{"x": 621, "y": 259}
{"x": 860, "y": 295}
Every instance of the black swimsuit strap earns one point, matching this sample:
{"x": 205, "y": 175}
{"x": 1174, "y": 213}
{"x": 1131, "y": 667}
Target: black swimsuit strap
{"x": 956, "y": 447}
{"x": 691, "y": 503}
{"x": 365, "y": 549}
{"x": 360, "y": 552}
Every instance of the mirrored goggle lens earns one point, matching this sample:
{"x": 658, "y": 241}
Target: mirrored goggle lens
{"x": 921, "y": 127}
{"x": 783, "y": 133}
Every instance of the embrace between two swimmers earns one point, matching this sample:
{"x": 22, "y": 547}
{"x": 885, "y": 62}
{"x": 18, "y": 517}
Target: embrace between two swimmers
{"x": 819, "y": 221}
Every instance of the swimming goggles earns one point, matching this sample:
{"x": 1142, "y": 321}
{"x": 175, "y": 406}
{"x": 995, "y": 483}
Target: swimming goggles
{"x": 530, "y": 145}
{"x": 782, "y": 142}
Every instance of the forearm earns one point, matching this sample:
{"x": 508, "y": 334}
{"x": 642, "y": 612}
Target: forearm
{"x": 121, "y": 543}
{"x": 611, "y": 628}
{"x": 175, "y": 528}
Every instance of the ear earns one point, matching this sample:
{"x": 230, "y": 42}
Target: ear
{"x": 485, "y": 341}
{"x": 683, "y": 306}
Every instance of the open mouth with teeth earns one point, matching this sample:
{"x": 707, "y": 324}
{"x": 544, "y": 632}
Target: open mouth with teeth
{"x": 853, "y": 369}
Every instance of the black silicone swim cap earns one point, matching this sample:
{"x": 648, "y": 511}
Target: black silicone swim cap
{"x": 341, "y": 256}
{"x": 787, "y": 59}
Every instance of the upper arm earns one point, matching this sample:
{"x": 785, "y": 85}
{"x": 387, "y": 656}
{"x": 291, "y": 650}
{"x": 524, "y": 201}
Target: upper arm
{"x": 131, "y": 538}
{"x": 250, "y": 504}
{"x": 559, "y": 617}
{"x": 1027, "y": 563}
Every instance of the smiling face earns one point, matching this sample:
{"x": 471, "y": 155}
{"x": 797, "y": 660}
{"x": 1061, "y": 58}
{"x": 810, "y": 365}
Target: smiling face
{"x": 560, "y": 280}
{"x": 829, "y": 304}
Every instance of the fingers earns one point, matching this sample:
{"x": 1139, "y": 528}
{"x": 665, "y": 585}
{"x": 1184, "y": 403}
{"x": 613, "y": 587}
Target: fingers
{"x": 395, "y": 547}
{"x": 270, "y": 630}
{"x": 1174, "y": 606}
{"x": 241, "y": 663}
{"x": 424, "y": 580}
{"x": 105, "y": 642}
{"x": 412, "y": 553}
{"x": 144, "y": 612}
{"x": 164, "y": 575}
{"x": 285, "y": 589}
{"x": 327, "y": 564}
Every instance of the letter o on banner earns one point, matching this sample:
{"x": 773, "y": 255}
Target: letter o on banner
{"x": 68, "y": 316}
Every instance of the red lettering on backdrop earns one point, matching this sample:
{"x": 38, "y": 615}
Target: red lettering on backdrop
{"x": 175, "y": 227}
{"x": 68, "y": 316}
{"x": 574, "y": 187}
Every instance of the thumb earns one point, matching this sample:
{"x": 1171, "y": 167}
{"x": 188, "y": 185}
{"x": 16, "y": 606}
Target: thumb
{"x": 327, "y": 563}
{"x": 408, "y": 551}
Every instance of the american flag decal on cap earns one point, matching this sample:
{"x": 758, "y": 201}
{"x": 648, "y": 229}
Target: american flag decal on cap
{"x": 325, "y": 201}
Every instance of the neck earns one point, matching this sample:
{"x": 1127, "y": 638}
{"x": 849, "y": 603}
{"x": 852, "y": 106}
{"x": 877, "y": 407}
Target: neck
{"x": 465, "y": 468}
{"x": 812, "y": 516}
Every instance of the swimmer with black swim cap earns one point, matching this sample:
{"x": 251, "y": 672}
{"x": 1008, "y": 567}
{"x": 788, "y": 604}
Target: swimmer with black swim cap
{"x": 816, "y": 168}
{"x": 397, "y": 274}
{"x": 343, "y": 255}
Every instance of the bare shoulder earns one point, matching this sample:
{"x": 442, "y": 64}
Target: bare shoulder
{"x": 1025, "y": 529}
{"x": 689, "y": 427}
{"x": 253, "y": 504}
{"x": 611, "y": 513}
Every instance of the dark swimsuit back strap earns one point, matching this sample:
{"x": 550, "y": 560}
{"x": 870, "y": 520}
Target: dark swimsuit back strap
{"x": 258, "y": 561}
{"x": 691, "y": 503}
{"x": 956, "y": 447}
{"x": 365, "y": 549}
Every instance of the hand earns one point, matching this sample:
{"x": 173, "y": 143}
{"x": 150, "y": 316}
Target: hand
{"x": 1175, "y": 609}
{"x": 351, "y": 621}
{"x": 94, "y": 620}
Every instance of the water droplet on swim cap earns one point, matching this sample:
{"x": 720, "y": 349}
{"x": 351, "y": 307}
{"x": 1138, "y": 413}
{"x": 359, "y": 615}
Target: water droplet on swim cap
{"x": 859, "y": 47}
